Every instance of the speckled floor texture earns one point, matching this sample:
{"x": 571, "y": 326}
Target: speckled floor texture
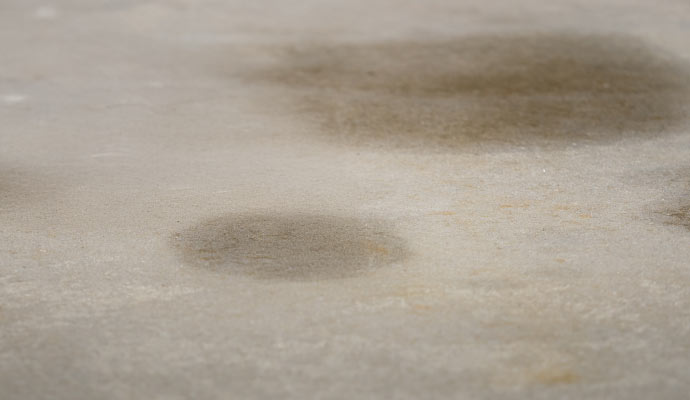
{"x": 345, "y": 199}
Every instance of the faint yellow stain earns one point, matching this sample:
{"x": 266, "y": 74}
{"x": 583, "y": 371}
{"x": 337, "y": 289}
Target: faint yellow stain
{"x": 376, "y": 248}
{"x": 555, "y": 376}
{"x": 519, "y": 205}
{"x": 443, "y": 213}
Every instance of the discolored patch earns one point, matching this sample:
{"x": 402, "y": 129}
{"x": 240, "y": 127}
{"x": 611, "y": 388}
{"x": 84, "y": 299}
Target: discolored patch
{"x": 290, "y": 246}
{"x": 679, "y": 216}
{"x": 555, "y": 376}
{"x": 536, "y": 89}
{"x": 20, "y": 187}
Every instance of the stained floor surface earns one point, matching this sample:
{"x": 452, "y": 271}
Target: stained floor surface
{"x": 290, "y": 246}
{"x": 344, "y": 199}
{"x": 542, "y": 89}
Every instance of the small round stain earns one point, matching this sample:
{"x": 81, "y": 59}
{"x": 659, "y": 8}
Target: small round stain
{"x": 298, "y": 246}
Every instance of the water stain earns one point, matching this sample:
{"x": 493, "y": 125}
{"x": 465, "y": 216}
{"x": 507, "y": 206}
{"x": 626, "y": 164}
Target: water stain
{"x": 302, "y": 247}
{"x": 526, "y": 89}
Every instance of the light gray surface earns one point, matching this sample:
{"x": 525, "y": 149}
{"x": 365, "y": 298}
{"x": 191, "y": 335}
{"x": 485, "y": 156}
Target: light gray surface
{"x": 353, "y": 199}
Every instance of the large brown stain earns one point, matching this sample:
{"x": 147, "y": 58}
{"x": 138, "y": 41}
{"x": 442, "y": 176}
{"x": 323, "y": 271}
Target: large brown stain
{"x": 290, "y": 246}
{"x": 524, "y": 89}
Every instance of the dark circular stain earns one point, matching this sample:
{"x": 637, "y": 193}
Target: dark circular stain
{"x": 290, "y": 246}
